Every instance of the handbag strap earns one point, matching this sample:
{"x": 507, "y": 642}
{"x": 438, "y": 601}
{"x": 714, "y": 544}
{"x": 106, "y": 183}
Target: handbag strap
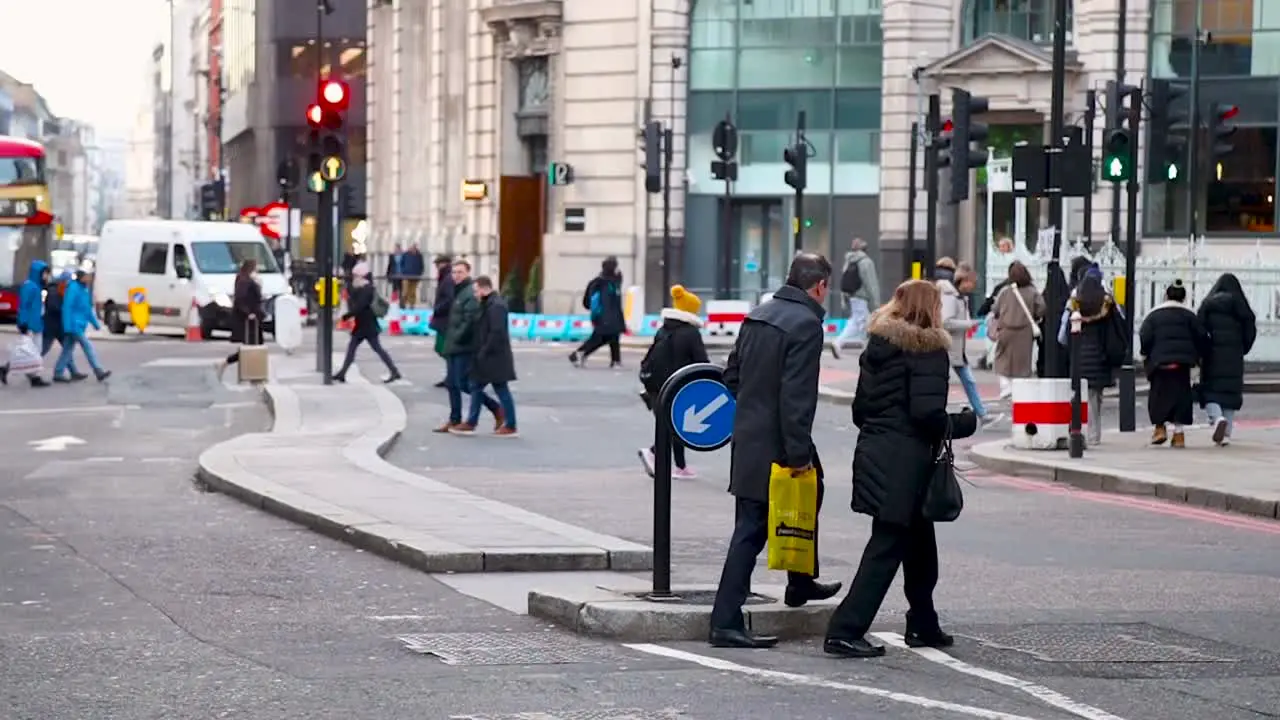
{"x": 1017, "y": 294}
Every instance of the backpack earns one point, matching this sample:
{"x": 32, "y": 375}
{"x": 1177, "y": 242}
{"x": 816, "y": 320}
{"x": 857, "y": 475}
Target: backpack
{"x": 655, "y": 367}
{"x": 379, "y": 305}
{"x": 851, "y": 280}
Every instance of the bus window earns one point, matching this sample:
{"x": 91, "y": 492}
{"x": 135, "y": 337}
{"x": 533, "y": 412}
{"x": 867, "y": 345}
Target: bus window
{"x": 16, "y": 171}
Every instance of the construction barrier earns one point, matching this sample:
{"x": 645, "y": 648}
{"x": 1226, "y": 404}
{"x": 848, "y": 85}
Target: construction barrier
{"x": 580, "y": 328}
{"x": 1042, "y": 412}
{"x": 650, "y": 325}
{"x": 724, "y": 317}
{"x": 834, "y": 326}
{"x": 520, "y": 325}
{"x": 549, "y": 327}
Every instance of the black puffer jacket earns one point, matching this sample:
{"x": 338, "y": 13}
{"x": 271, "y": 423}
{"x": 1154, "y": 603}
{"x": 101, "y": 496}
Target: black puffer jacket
{"x": 901, "y": 412}
{"x": 1171, "y": 334}
{"x": 1232, "y": 329}
{"x": 1102, "y": 344}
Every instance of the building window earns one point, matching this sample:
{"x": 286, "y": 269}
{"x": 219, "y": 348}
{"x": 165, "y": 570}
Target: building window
{"x": 1244, "y": 38}
{"x": 240, "y": 43}
{"x": 1029, "y": 20}
{"x": 1240, "y": 190}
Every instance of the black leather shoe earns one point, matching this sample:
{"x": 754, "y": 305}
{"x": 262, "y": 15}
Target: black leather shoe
{"x": 934, "y": 638}
{"x": 441, "y": 384}
{"x": 798, "y": 595}
{"x": 740, "y": 639}
{"x": 859, "y": 648}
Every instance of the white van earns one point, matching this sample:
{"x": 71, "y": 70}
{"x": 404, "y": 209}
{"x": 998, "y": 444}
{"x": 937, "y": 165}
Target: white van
{"x": 180, "y": 262}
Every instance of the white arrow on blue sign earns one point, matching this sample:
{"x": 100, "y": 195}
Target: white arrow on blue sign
{"x": 702, "y": 414}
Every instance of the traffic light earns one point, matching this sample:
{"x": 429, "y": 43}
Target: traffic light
{"x": 651, "y": 146}
{"x": 1221, "y": 128}
{"x": 942, "y": 144}
{"x": 965, "y": 132}
{"x": 1118, "y": 141}
{"x": 1169, "y": 124}
{"x": 797, "y": 157}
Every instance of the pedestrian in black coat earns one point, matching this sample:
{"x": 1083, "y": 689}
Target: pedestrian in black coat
{"x": 679, "y": 342}
{"x": 1232, "y": 329}
{"x": 603, "y": 299}
{"x": 1173, "y": 340}
{"x": 773, "y": 375}
{"x": 1103, "y": 342}
{"x": 246, "y": 312}
{"x": 493, "y": 364}
{"x": 442, "y": 304}
{"x": 360, "y": 310}
{"x": 900, "y": 408}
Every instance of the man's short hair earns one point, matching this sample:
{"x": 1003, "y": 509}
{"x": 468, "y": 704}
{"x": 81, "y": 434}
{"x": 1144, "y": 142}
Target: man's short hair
{"x": 484, "y": 282}
{"x": 441, "y": 259}
{"x": 462, "y": 263}
{"x": 807, "y": 270}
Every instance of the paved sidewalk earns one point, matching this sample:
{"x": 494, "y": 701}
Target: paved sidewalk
{"x": 1240, "y": 478}
{"x": 321, "y": 466}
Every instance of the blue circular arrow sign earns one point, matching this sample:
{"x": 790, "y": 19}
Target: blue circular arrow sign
{"x": 702, "y": 415}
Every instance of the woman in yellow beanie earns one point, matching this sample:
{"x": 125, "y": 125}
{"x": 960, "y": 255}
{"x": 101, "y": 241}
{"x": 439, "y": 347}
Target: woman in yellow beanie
{"x": 677, "y": 344}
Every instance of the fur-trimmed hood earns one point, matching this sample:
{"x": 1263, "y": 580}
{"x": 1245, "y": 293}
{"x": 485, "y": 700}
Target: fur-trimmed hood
{"x": 908, "y": 337}
{"x": 681, "y": 316}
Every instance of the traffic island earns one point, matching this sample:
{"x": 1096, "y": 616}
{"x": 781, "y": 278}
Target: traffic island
{"x": 628, "y": 614}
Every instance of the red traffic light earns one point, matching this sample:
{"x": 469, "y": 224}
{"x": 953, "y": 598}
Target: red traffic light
{"x": 334, "y": 94}
{"x": 315, "y": 116}
{"x": 1226, "y": 112}
{"x": 948, "y": 126}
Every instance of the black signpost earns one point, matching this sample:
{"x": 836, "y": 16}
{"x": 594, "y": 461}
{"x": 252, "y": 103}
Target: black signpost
{"x": 696, "y": 409}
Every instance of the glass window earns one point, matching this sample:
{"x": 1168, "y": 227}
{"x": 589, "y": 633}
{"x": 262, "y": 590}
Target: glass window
{"x": 352, "y": 61}
{"x": 154, "y": 259}
{"x": 858, "y": 109}
{"x": 1029, "y": 20}
{"x": 860, "y": 66}
{"x": 16, "y": 171}
{"x": 1240, "y": 195}
{"x": 787, "y": 32}
{"x": 711, "y": 69}
{"x": 181, "y": 263}
{"x": 224, "y": 258}
{"x": 299, "y": 60}
{"x": 777, "y": 110}
{"x": 786, "y": 67}
{"x": 706, "y": 109}
{"x": 766, "y": 147}
{"x": 712, "y": 33}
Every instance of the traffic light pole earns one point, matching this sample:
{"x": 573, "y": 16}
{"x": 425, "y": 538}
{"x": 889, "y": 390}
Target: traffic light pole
{"x": 1090, "y": 115}
{"x": 324, "y": 254}
{"x": 797, "y": 220}
{"x": 667, "y": 153}
{"x": 1128, "y": 371}
{"x": 1193, "y": 136}
{"x": 909, "y": 247}
{"x": 933, "y": 122}
{"x": 1122, "y": 28}
{"x": 1057, "y": 128}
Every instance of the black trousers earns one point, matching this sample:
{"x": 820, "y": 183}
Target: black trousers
{"x": 597, "y": 341}
{"x": 750, "y": 533}
{"x": 913, "y": 547}
{"x": 354, "y": 344}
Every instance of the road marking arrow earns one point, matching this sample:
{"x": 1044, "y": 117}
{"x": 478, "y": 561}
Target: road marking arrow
{"x": 55, "y": 444}
{"x": 695, "y": 419}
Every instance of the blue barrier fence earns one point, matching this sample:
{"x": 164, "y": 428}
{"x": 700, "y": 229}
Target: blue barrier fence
{"x": 551, "y": 328}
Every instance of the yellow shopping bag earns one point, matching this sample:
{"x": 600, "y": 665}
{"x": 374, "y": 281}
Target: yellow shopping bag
{"x": 793, "y": 520}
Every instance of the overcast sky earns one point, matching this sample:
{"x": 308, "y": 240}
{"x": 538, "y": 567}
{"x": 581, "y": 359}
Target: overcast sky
{"x": 88, "y": 58}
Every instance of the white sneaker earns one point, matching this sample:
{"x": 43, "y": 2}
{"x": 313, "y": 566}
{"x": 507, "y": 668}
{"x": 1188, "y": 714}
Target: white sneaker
{"x": 684, "y": 474}
{"x": 835, "y": 349}
{"x": 646, "y": 458}
{"x": 988, "y": 420}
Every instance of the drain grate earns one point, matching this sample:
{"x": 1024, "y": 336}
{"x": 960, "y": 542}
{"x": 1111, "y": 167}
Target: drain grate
{"x": 497, "y": 648}
{"x": 618, "y": 714}
{"x": 1121, "y": 643}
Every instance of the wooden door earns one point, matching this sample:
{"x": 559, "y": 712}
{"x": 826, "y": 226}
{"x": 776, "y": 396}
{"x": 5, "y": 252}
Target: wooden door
{"x": 521, "y": 222}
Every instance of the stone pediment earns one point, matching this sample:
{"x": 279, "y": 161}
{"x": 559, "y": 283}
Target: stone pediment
{"x": 998, "y": 55}
{"x": 525, "y": 28}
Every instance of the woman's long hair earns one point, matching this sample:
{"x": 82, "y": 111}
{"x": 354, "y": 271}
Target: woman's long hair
{"x": 1091, "y": 295}
{"x": 917, "y": 302}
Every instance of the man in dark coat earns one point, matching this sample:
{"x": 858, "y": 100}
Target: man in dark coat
{"x": 460, "y": 344}
{"x": 603, "y": 299}
{"x": 773, "y": 423}
{"x": 443, "y": 302}
{"x": 366, "y": 329}
{"x": 1232, "y": 328}
{"x": 494, "y": 363}
{"x": 413, "y": 268}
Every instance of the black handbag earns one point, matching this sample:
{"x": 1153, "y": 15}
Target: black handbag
{"x": 943, "y": 499}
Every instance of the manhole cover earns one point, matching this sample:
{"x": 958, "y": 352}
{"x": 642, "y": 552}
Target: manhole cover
{"x": 695, "y": 597}
{"x": 619, "y": 714}
{"x": 493, "y": 648}
{"x": 1123, "y": 643}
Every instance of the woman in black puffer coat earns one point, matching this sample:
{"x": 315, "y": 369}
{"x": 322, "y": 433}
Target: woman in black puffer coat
{"x": 900, "y": 409}
{"x": 1232, "y": 329}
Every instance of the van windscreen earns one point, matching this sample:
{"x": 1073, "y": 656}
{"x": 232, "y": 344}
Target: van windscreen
{"x": 224, "y": 258}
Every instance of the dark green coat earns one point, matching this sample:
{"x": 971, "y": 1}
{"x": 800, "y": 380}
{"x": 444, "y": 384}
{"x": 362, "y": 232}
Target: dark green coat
{"x": 460, "y": 338}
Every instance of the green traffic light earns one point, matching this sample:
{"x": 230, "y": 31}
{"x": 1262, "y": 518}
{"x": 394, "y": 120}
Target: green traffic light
{"x": 1115, "y": 168}
{"x": 1172, "y": 172}
{"x": 808, "y": 223}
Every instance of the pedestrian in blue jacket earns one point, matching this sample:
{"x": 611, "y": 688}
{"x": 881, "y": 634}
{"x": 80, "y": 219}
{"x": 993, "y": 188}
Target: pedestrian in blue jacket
{"x": 31, "y": 298}
{"x": 77, "y": 316}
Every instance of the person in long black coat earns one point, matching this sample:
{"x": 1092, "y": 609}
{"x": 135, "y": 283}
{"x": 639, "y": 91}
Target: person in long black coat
{"x": 1232, "y": 328}
{"x": 900, "y": 409}
{"x": 493, "y": 364}
{"x": 679, "y": 341}
{"x": 366, "y": 329}
{"x": 442, "y": 304}
{"x": 603, "y": 299}
{"x": 773, "y": 375}
{"x": 1172, "y": 341}
{"x": 246, "y": 312}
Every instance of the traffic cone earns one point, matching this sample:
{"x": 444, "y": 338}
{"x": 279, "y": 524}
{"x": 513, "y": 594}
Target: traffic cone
{"x": 193, "y": 323}
{"x": 393, "y": 316}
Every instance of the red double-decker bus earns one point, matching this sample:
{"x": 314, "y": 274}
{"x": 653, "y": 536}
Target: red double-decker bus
{"x": 26, "y": 216}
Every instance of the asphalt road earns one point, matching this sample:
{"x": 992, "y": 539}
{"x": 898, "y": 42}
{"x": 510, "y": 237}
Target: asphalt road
{"x": 1129, "y": 609}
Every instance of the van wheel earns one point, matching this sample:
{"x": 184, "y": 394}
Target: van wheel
{"x": 112, "y": 320}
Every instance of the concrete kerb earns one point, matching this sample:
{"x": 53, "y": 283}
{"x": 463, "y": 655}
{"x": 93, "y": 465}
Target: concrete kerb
{"x": 220, "y": 470}
{"x": 621, "y": 613}
{"x": 998, "y": 457}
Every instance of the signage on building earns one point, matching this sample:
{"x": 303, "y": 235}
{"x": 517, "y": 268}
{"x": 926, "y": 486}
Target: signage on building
{"x": 559, "y": 174}
{"x": 575, "y": 219}
{"x": 272, "y": 219}
{"x": 474, "y": 190}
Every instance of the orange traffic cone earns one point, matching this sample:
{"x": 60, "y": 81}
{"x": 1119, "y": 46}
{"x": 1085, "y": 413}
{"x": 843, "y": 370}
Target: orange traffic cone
{"x": 193, "y": 323}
